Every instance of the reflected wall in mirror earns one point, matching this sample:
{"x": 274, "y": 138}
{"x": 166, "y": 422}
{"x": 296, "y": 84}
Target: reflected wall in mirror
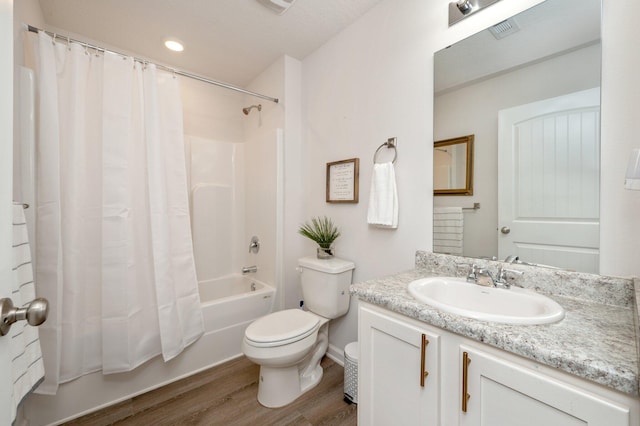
{"x": 453, "y": 166}
{"x": 546, "y": 52}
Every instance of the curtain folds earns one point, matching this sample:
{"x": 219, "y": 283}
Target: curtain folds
{"x": 113, "y": 245}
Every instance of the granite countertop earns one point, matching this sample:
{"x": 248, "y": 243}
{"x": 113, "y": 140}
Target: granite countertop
{"x": 595, "y": 341}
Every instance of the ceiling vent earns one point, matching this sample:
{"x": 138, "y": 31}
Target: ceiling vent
{"x": 504, "y": 29}
{"x": 277, "y": 6}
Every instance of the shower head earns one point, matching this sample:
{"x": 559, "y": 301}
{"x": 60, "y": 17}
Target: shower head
{"x": 248, "y": 109}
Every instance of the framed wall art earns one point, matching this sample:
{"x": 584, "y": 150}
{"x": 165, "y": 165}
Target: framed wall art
{"x": 342, "y": 181}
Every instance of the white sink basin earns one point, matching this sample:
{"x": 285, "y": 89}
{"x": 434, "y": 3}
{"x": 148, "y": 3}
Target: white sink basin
{"x": 512, "y": 306}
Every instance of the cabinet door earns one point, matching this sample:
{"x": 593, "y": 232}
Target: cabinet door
{"x": 505, "y": 394}
{"x": 390, "y": 369}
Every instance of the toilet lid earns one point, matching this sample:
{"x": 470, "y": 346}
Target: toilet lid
{"x": 282, "y": 327}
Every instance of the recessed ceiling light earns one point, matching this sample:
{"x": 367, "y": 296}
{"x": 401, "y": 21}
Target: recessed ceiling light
{"x": 174, "y": 44}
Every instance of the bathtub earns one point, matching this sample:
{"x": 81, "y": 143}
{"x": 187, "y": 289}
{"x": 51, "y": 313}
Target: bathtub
{"x": 234, "y": 301}
{"x": 229, "y": 305}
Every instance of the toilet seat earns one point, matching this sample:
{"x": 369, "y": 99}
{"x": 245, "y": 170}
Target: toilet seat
{"x": 281, "y": 328}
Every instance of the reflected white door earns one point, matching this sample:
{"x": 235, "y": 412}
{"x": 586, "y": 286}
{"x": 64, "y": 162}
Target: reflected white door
{"x": 6, "y": 171}
{"x": 548, "y": 181}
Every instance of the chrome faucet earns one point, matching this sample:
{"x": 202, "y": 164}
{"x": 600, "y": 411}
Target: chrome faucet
{"x": 512, "y": 258}
{"x": 480, "y": 276}
{"x": 249, "y": 269}
{"x": 503, "y": 281}
{"x": 472, "y": 277}
{"x": 483, "y": 277}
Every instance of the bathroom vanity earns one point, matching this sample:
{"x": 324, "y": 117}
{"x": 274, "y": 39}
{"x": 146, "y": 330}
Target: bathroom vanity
{"x": 421, "y": 365}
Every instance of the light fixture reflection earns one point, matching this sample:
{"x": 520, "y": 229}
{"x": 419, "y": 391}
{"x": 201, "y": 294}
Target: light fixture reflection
{"x": 464, "y": 6}
{"x": 461, "y": 9}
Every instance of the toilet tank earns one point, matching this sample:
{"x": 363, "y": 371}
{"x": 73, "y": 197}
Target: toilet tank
{"x": 325, "y": 285}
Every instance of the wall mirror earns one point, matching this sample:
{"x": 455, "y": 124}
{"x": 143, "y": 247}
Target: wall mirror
{"x": 546, "y": 53}
{"x": 453, "y": 166}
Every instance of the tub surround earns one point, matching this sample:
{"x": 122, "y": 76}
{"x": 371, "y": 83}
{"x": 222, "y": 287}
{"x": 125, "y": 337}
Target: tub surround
{"x": 597, "y": 340}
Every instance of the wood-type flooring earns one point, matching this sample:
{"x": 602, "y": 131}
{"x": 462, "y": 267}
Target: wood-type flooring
{"x": 226, "y": 395}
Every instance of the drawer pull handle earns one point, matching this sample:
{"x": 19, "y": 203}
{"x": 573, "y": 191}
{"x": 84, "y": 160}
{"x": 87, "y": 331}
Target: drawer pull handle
{"x": 465, "y": 376}
{"x": 423, "y": 359}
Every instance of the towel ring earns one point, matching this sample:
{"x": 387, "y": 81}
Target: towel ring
{"x": 390, "y": 143}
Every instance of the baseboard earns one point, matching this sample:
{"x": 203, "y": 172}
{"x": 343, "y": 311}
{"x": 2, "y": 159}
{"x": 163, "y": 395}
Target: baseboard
{"x": 336, "y": 354}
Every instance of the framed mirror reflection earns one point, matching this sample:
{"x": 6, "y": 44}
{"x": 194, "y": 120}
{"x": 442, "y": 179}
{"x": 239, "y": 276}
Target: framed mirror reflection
{"x": 453, "y": 166}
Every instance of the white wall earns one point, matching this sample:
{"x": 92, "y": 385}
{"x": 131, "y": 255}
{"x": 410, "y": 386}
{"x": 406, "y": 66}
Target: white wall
{"x": 578, "y": 70}
{"x": 261, "y": 171}
{"x": 24, "y": 12}
{"x": 293, "y": 186}
{"x": 368, "y": 84}
{"x": 375, "y": 80}
{"x": 619, "y": 208}
{"x": 212, "y": 112}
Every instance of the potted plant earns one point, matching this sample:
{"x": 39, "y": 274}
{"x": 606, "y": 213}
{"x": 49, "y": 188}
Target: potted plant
{"x": 323, "y": 232}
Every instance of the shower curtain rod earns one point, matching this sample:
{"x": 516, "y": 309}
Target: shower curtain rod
{"x": 144, "y": 61}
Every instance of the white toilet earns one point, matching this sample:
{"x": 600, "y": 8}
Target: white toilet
{"x": 288, "y": 345}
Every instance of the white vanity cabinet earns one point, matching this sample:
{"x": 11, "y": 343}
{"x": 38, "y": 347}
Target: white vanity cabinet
{"x": 398, "y": 370}
{"x": 502, "y": 393}
{"x": 503, "y": 389}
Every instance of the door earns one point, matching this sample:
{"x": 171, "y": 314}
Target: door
{"x": 548, "y": 181}
{"x": 6, "y": 177}
{"x": 392, "y": 386}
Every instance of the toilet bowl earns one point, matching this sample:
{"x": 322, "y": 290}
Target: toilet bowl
{"x": 289, "y": 345}
{"x": 289, "y": 364}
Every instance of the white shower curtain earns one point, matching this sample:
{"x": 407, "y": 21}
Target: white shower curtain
{"x": 113, "y": 245}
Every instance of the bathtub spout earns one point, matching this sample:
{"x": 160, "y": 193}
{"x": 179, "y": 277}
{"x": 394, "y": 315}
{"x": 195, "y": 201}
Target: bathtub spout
{"x": 249, "y": 269}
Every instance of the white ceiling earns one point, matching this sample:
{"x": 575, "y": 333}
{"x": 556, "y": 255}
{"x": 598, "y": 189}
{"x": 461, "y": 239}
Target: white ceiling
{"x": 227, "y": 40}
{"x": 235, "y": 40}
{"x": 553, "y": 27}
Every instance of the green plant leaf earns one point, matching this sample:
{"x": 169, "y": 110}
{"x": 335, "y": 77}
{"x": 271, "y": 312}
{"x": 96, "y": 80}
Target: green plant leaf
{"x": 321, "y": 230}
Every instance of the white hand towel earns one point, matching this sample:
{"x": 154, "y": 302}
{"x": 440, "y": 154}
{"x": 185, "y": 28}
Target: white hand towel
{"x": 383, "y": 198}
{"x": 456, "y": 210}
{"x": 27, "y": 367}
{"x": 448, "y": 230}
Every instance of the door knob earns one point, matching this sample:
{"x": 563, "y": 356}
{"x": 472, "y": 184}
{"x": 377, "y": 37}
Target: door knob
{"x": 35, "y": 312}
{"x": 505, "y": 229}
